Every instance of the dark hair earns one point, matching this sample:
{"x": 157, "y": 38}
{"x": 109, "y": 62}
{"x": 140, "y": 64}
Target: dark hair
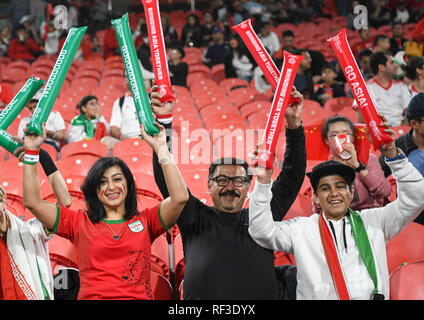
{"x": 83, "y": 102}
{"x": 95, "y": 209}
{"x": 196, "y": 18}
{"x": 227, "y": 160}
{"x": 364, "y": 53}
{"x": 412, "y": 65}
{"x": 377, "y": 59}
{"x": 328, "y": 66}
{"x": 379, "y": 37}
{"x": 332, "y": 120}
{"x": 288, "y": 33}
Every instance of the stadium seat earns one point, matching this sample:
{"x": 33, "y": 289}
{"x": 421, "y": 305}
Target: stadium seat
{"x": 407, "y": 282}
{"x": 11, "y": 168}
{"x": 138, "y": 162}
{"x": 74, "y": 183}
{"x": 407, "y": 246}
{"x": 228, "y": 84}
{"x": 62, "y": 252}
{"x": 218, "y": 72}
{"x": 132, "y": 146}
{"x": 146, "y": 185}
{"x": 400, "y": 130}
{"x": 334, "y": 105}
{"x": 84, "y": 147}
{"x": 216, "y": 108}
{"x": 13, "y": 187}
{"x": 255, "y": 106}
{"x": 313, "y": 112}
{"x": 257, "y": 120}
{"x": 199, "y": 68}
{"x": 217, "y": 117}
{"x": 78, "y": 164}
{"x": 160, "y": 254}
{"x": 161, "y": 287}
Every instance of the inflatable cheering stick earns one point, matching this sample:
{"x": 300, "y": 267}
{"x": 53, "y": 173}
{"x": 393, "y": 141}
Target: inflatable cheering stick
{"x": 135, "y": 77}
{"x": 158, "y": 50}
{"x": 359, "y": 89}
{"x": 55, "y": 81}
{"x": 15, "y": 106}
{"x": 8, "y": 143}
{"x": 278, "y": 109}
{"x": 259, "y": 53}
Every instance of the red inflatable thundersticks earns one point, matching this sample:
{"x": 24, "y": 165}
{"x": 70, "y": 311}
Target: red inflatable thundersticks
{"x": 359, "y": 89}
{"x": 279, "y": 105}
{"x": 157, "y": 49}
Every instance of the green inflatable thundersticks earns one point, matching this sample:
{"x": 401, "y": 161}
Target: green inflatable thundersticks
{"x": 135, "y": 77}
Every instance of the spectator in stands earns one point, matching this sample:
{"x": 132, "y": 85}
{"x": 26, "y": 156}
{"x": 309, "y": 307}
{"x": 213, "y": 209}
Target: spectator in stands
{"x": 339, "y": 232}
{"x": 51, "y": 39}
{"x": 366, "y": 42}
{"x": 37, "y": 14}
{"x": 268, "y": 38}
{"x": 364, "y": 64}
{"x": 371, "y": 187}
{"x": 124, "y": 121}
{"x": 95, "y": 45}
{"x": 258, "y": 10}
{"x": 379, "y": 14}
{"x": 381, "y": 43}
{"x": 5, "y": 38}
{"x": 111, "y": 44}
{"x": 207, "y": 28}
{"x": 238, "y": 11}
{"x": 397, "y": 42}
{"x": 98, "y": 16}
{"x": 27, "y": 243}
{"x": 304, "y": 11}
{"x": 6, "y": 94}
{"x": 55, "y": 125}
{"x": 239, "y": 63}
{"x": 329, "y": 88}
{"x": 401, "y": 13}
{"x": 111, "y": 226}
{"x": 412, "y": 143}
{"x": 178, "y": 70}
{"x": 304, "y": 82}
{"x": 390, "y": 97}
{"x": 287, "y": 43}
{"x": 221, "y": 261}
{"x": 170, "y": 35}
{"x": 220, "y": 11}
{"x": 215, "y": 52}
{"x": 23, "y": 47}
{"x": 32, "y": 33}
{"x": 191, "y": 35}
{"x": 283, "y": 12}
{"x": 352, "y": 15}
{"x": 414, "y": 71}
{"x": 16, "y": 9}
{"x": 90, "y": 123}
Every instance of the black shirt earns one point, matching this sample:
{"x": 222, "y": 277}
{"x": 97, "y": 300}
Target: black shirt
{"x": 221, "y": 260}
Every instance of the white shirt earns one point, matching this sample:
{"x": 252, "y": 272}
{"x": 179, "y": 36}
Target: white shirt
{"x": 77, "y": 133}
{"x": 301, "y": 237}
{"x": 126, "y": 120}
{"x": 391, "y": 101}
{"x": 271, "y": 42}
{"x": 54, "y": 123}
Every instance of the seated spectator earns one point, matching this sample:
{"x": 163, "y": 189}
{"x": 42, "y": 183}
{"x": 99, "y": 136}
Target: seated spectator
{"x": 390, "y": 97}
{"x": 364, "y": 64}
{"x": 51, "y": 38}
{"x": 220, "y": 10}
{"x": 381, "y": 43}
{"x": 304, "y": 11}
{"x": 366, "y": 42}
{"x": 89, "y": 124}
{"x": 178, "y": 70}
{"x": 191, "y": 35}
{"x": 95, "y": 45}
{"x": 401, "y": 12}
{"x": 5, "y": 38}
{"x": 239, "y": 63}
{"x": 170, "y": 35}
{"x": 268, "y": 38}
{"x": 216, "y": 51}
{"x": 6, "y": 94}
{"x": 304, "y": 82}
{"x": 32, "y": 33}
{"x": 283, "y": 12}
{"x": 55, "y": 125}
{"x": 111, "y": 44}
{"x": 207, "y": 28}
{"x": 238, "y": 11}
{"x": 371, "y": 187}
{"x": 23, "y": 47}
{"x": 287, "y": 43}
{"x": 412, "y": 142}
{"x": 258, "y": 10}
{"x": 329, "y": 88}
{"x": 397, "y": 42}
{"x": 379, "y": 14}
{"x": 414, "y": 71}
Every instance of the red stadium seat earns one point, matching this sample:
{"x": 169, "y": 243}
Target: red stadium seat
{"x": 62, "y": 253}
{"x": 160, "y": 254}
{"x": 215, "y": 118}
{"x": 254, "y": 106}
{"x": 138, "y": 162}
{"x": 217, "y": 108}
{"x": 257, "y": 120}
{"x": 74, "y": 183}
{"x": 146, "y": 186}
{"x": 50, "y": 150}
{"x": 78, "y": 164}
{"x": 84, "y": 147}
{"x": 400, "y": 130}
{"x": 161, "y": 287}
{"x": 11, "y": 168}
{"x": 228, "y": 84}
{"x": 13, "y": 187}
{"x": 313, "y": 112}
{"x": 132, "y": 146}
{"x": 407, "y": 282}
{"x": 407, "y": 246}
{"x": 218, "y": 72}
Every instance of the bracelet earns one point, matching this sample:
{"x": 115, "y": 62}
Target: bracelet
{"x": 31, "y": 156}
{"x": 164, "y": 118}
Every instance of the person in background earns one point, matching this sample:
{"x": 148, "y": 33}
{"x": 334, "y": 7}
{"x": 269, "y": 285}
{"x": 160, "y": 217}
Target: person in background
{"x": 55, "y": 125}
{"x": 22, "y": 47}
{"x": 206, "y": 29}
{"x": 381, "y": 43}
{"x": 414, "y": 71}
{"x": 178, "y": 70}
{"x": 371, "y": 187}
{"x": 239, "y": 63}
{"x": 216, "y": 51}
{"x": 340, "y": 253}
{"x": 90, "y": 123}
{"x": 304, "y": 82}
{"x": 5, "y": 38}
{"x": 329, "y": 88}
{"x": 170, "y": 35}
{"x": 367, "y": 42}
{"x": 364, "y": 64}
{"x": 268, "y": 38}
{"x": 397, "y": 41}
{"x": 191, "y": 35}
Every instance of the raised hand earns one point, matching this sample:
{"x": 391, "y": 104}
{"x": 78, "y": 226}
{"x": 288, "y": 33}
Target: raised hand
{"x": 33, "y": 141}
{"x": 388, "y": 150}
{"x": 263, "y": 174}
{"x": 157, "y": 142}
{"x": 294, "y": 111}
{"x": 159, "y": 108}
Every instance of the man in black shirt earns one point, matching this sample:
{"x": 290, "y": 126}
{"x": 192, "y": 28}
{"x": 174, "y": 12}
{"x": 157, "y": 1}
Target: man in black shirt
{"x": 221, "y": 259}
{"x": 178, "y": 70}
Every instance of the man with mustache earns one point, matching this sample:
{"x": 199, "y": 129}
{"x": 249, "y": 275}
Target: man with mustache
{"x": 221, "y": 259}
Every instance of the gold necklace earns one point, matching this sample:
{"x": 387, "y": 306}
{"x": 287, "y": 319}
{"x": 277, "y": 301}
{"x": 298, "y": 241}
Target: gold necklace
{"x": 115, "y": 235}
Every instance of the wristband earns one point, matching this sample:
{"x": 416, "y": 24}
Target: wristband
{"x": 164, "y": 118}
{"x": 31, "y": 156}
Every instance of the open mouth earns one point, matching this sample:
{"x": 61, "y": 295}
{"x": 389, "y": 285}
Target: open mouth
{"x": 113, "y": 196}
{"x": 229, "y": 196}
{"x": 335, "y": 203}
